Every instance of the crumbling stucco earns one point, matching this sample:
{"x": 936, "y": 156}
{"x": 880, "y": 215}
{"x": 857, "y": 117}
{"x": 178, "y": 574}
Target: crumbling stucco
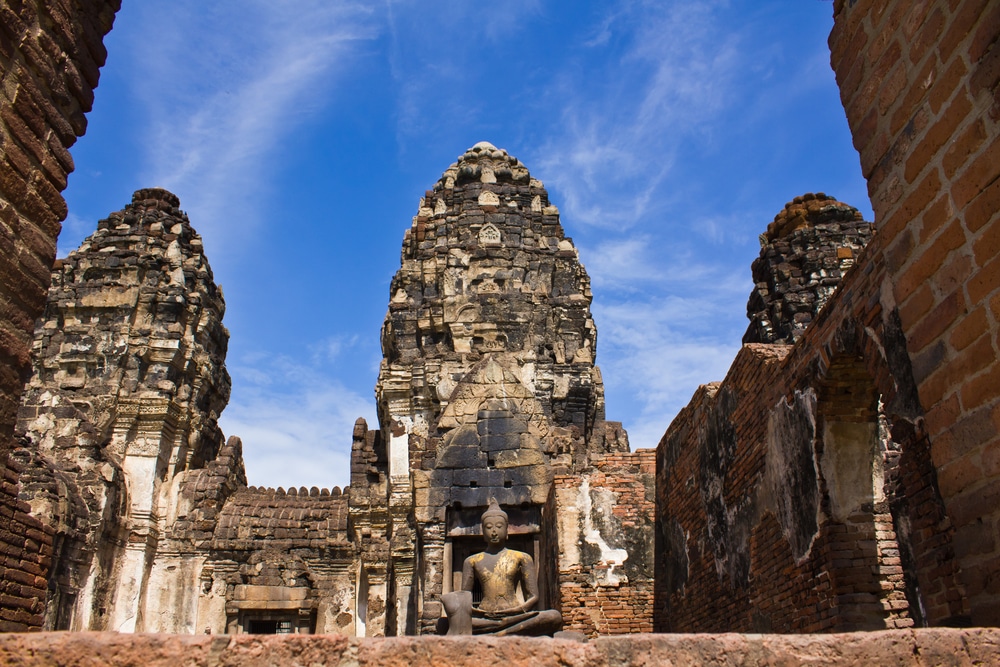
{"x": 791, "y": 470}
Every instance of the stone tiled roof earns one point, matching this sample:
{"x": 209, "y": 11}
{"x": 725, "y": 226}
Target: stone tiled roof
{"x": 283, "y": 519}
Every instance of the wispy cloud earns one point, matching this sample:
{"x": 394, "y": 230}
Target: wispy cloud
{"x": 218, "y": 115}
{"x": 657, "y": 351}
{"x": 624, "y": 123}
{"x": 295, "y": 421}
{"x": 655, "y": 263}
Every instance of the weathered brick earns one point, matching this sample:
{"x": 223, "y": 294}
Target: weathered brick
{"x": 965, "y": 17}
{"x": 926, "y": 262}
{"x": 982, "y": 171}
{"x": 938, "y": 135}
{"x": 985, "y": 281}
{"x": 962, "y": 147}
{"x": 969, "y": 328}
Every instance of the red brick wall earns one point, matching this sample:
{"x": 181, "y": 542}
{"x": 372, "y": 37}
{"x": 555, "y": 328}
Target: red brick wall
{"x": 724, "y": 559}
{"x": 50, "y": 58}
{"x": 919, "y": 82}
{"x": 25, "y": 556}
{"x": 592, "y": 608}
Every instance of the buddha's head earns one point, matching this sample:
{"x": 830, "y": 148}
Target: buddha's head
{"x": 494, "y": 525}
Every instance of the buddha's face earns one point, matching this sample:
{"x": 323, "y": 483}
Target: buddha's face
{"x": 495, "y": 530}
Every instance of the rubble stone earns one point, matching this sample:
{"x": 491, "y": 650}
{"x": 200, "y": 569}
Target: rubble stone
{"x": 803, "y": 257}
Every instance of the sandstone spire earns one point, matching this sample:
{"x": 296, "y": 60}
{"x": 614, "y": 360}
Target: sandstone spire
{"x": 487, "y": 387}
{"x": 128, "y": 382}
{"x": 487, "y": 270}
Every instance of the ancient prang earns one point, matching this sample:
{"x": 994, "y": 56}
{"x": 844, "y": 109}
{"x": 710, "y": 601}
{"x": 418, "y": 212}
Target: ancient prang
{"x": 844, "y": 475}
{"x": 804, "y": 253}
{"x": 488, "y": 391}
{"x": 488, "y": 388}
{"x": 128, "y": 383}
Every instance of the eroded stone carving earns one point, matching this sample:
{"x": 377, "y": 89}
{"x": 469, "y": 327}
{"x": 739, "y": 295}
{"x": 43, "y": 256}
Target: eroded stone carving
{"x": 128, "y": 382}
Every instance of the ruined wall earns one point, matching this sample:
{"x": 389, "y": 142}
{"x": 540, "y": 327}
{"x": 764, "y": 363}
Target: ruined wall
{"x": 605, "y": 562}
{"x": 27, "y": 549}
{"x": 919, "y": 82}
{"x": 50, "y": 59}
{"x": 797, "y": 495}
{"x": 278, "y": 556}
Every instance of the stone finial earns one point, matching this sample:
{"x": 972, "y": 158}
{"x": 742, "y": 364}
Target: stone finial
{"x": 155, "y": 199}
{"x": 809, "y": 210}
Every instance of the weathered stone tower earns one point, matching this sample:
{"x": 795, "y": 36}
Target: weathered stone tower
{"x": 127, "y": 386}
{"x": 154, "y": 527}
{"x": 487, "y": 388}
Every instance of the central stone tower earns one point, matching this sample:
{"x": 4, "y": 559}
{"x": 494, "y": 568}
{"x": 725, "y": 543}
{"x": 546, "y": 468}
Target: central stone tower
{"x": 487, "y": 388}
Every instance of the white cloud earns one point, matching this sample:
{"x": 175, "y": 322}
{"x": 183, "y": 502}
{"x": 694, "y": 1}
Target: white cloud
{"x": 331, "y": 348}
{"x": 295, "y": 421}
{"x": 648, "y": 262}
{"x": 218, "y": 114}
{"x": 623, "y": 125}
{"x": 656, "y": 349}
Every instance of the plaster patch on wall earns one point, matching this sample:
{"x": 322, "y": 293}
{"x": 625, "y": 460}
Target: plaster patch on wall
{"x": 848, "y": 465}
{"x": 791, "y": 471}
{"x": 568, "y": 518}
{"x": 595, "y": 508}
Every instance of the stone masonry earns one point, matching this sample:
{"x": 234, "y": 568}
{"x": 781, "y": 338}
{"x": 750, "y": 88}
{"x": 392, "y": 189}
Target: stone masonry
{"x": 50, "y": 60}
{"x": 797, "y": 494}
{"x": 851, "y": 480}
{"x": 844, "y": 475}
{"x": 146, "y": 505}
{"x": 804, "y": 254}
{"x": 129, "y": 380}
{"x": 488, "y": 388}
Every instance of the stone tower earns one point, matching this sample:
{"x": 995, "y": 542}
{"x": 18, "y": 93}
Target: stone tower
{"x": 487, "y": 388}
{"x": 804, "y": 253}
{"x": 128, "y": 382}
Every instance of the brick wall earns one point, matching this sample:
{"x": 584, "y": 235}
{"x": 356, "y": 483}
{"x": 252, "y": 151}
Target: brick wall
{"x": 919, "y": 82}
{"x": 50, "y": 59}
{"x": 768, "y": 516}
{"x": 598, "y": 594}
{"x": 26, "y": 556}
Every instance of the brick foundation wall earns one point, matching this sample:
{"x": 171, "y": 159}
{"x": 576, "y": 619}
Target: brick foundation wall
{"x": 618, "y": 599}
{"x": 25, "y": 556}
{"x": 919, "y": 82}
{"x": 50, "y": 59}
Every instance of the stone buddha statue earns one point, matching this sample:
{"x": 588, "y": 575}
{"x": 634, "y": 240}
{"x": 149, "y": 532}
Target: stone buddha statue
{"x": 499, "y": 571}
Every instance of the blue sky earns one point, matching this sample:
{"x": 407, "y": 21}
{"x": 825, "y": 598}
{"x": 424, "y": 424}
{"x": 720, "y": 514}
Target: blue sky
{"x": 300, "y": 136}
